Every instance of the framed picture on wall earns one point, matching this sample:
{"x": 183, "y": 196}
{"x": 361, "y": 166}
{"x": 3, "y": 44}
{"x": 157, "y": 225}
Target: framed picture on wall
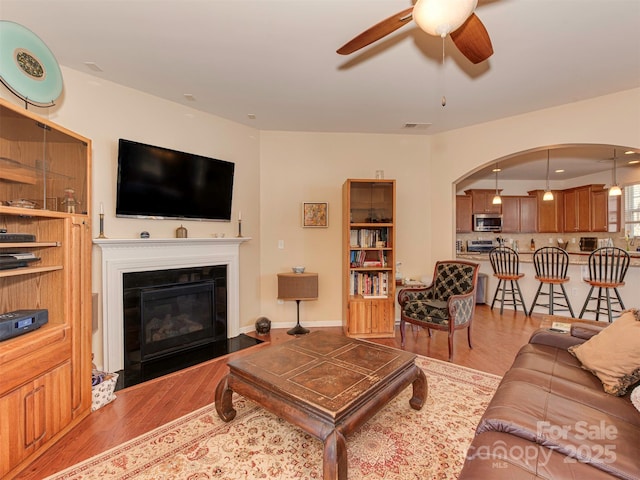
{"x": 315, "y": 214}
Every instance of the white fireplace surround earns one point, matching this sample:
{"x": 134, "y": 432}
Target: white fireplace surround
{"x": 120, "y": 256}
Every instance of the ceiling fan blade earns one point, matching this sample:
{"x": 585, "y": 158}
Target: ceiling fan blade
{"x": 472, "y": 39}
{"x": 377, "y": 32}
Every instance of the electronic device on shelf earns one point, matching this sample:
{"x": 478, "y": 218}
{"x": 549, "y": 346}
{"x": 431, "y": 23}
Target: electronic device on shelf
{"x": 20, "y": 322}
{"x": 16, "y": 237}
{"x": 16, "y": 260}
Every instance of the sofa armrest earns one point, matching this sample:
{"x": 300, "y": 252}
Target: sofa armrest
{"x": 543, "y": 336}
{"x": 585, "y": 330}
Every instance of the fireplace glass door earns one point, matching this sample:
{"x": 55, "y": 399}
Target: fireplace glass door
{"x": 176, "y": 318}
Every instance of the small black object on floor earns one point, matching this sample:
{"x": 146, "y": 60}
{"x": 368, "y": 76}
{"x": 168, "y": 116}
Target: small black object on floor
{"x": 139, "y": 373}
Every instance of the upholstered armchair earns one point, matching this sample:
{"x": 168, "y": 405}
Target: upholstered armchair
{"x": 447, "y": 304}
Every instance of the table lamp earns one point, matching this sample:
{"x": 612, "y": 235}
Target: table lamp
{"x": 298, "y": 286}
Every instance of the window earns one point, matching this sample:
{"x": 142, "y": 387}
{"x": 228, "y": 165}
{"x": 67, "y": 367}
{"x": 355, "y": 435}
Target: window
{"x": 632, "y": 210}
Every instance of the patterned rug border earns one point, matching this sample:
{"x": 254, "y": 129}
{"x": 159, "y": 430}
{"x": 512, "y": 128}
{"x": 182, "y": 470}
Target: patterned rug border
{"x": 476, "y": 378}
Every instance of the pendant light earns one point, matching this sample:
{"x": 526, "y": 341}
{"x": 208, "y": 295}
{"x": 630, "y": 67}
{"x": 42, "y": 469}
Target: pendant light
{"x": 497, "y": 200}
{"x": 615, "y": 190}
{"x": 548, "y": 194}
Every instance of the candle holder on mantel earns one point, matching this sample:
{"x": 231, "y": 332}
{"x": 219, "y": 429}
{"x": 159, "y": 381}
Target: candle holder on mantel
{"x": 101, "y": 234}
{"x": 239, "y": 229}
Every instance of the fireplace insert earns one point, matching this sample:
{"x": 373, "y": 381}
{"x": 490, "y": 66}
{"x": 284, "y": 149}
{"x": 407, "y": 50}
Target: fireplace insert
{"x": 171, "y": 317}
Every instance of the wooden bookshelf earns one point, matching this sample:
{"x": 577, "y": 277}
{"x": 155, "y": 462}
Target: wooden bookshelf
{"x": 368, "y": 280}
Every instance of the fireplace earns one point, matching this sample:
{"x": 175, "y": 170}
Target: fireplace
{"x": 168, "y": 312}
{"x": 121, "y": 257}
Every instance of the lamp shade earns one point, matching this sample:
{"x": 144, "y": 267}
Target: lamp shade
{"x": 441, "y": 17}
{"x": 297, "y": 286}
{"x": 615, "y": 191}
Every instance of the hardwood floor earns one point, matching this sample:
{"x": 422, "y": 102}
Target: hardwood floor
{"x": 496, "y": 339}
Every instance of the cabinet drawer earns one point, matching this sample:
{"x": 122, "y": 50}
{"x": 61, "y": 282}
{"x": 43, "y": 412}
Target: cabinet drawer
{"x": 42, "y": 358}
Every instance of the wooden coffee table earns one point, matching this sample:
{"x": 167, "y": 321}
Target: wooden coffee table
{"x": 327, "y": 385}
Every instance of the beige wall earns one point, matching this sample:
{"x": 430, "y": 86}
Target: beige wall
{"x": 611, "y": 119}
{"x": 104, "y": 112}
{"x": 311, "y": 167}
{"x": 277, "y": 171}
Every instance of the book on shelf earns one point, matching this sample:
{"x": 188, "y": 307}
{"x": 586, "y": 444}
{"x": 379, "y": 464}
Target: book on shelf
{"x": 368, "y": 237}
{"x": 365, "y": 283}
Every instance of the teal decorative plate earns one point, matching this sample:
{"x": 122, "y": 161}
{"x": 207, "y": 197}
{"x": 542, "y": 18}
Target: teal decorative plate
{"x": 27, "y": 66}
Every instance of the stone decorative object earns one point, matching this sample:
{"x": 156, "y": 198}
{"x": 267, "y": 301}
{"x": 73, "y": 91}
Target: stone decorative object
{"x": 263, "y": 325}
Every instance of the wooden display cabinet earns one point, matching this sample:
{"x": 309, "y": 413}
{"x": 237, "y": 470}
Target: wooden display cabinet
{"x": 45, "y": 385}
{"x": 368, "y": 280}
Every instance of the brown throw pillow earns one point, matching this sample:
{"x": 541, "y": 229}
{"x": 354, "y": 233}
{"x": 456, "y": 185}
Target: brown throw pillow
{"x": 613, "y": 355}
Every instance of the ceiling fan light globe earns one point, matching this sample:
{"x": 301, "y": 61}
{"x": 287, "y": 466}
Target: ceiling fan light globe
{"x": 441, "y": 17}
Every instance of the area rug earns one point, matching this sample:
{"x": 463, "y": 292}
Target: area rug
{"x": 397, "y": 443}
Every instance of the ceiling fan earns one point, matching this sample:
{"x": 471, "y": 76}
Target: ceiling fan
{"x": 436, "y": 17}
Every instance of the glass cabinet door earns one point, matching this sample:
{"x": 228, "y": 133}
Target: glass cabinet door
{"x": 372, "y": 202}
{"x": 41, "y": 167}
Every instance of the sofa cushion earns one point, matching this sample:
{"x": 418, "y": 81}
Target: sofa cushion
{"x": 568, "y": 426}
{"x": 498, "y": 455}
{"x": 635, "y": 398}
{"x": 613, "y": 355}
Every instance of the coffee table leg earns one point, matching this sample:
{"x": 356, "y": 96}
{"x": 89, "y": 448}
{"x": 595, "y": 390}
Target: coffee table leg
{"x": 419, "y": 390}
{"x": 334, "y": 462}
{"x": 224, "y": 406}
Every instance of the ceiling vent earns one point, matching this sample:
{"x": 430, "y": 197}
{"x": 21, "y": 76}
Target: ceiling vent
{"x": 416, "y": 126}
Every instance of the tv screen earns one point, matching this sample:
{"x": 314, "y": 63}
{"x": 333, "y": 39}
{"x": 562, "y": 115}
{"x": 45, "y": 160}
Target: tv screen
{"x": 156, "y": 182}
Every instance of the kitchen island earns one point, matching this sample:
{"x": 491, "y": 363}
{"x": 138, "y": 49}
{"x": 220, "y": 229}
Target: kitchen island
{"x": 577, "y": 289}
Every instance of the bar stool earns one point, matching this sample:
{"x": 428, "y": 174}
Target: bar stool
{"x": 505, "y": 262}
{"x": 607, "y": 269}
{"x": 551, "y": 264}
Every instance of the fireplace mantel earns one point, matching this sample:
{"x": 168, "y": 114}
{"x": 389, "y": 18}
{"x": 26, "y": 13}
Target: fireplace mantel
{"x": 121, "y": 256}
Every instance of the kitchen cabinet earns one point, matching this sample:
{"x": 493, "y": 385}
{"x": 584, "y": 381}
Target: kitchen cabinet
{"x": 600, "y": 211}
{"x": 605, "y": 211}
{"x": 519, "y": 214}
{"x": 586, "y": 209}
{"x": 481, "y": 201}
{"x": 549, "y": 214}
{"x": 577, "y": 209}
{"x": 464, "y": 214}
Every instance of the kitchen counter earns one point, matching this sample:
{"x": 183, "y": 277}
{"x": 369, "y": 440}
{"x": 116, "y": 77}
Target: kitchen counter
{"x": 577, "y": 289}
{"x": 575, "y": 258}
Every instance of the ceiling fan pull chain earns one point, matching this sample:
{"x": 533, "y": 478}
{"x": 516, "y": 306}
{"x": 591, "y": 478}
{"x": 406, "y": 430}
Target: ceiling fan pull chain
{"x": 443, "y": 101}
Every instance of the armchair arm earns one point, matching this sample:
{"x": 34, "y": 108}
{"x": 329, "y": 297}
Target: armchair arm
{"x": 415, "y": 293}
{"x": 461, "y": 307}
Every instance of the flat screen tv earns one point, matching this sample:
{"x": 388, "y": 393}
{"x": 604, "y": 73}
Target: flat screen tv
{"x": 156, "y": 182}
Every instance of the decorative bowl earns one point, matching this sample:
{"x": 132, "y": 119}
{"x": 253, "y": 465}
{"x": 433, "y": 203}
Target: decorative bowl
{"x": 297, "y": 269}
{"x": 563, "y": 245}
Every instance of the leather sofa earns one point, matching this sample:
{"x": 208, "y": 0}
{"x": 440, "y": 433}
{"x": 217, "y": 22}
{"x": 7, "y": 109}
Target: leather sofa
{"x": 551, "y": 419}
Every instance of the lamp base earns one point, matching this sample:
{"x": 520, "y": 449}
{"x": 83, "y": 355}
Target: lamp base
{"x": 298, "y": 330}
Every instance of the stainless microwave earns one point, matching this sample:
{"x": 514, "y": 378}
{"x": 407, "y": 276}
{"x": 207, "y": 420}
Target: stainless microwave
{"x": 487, "y": 222}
